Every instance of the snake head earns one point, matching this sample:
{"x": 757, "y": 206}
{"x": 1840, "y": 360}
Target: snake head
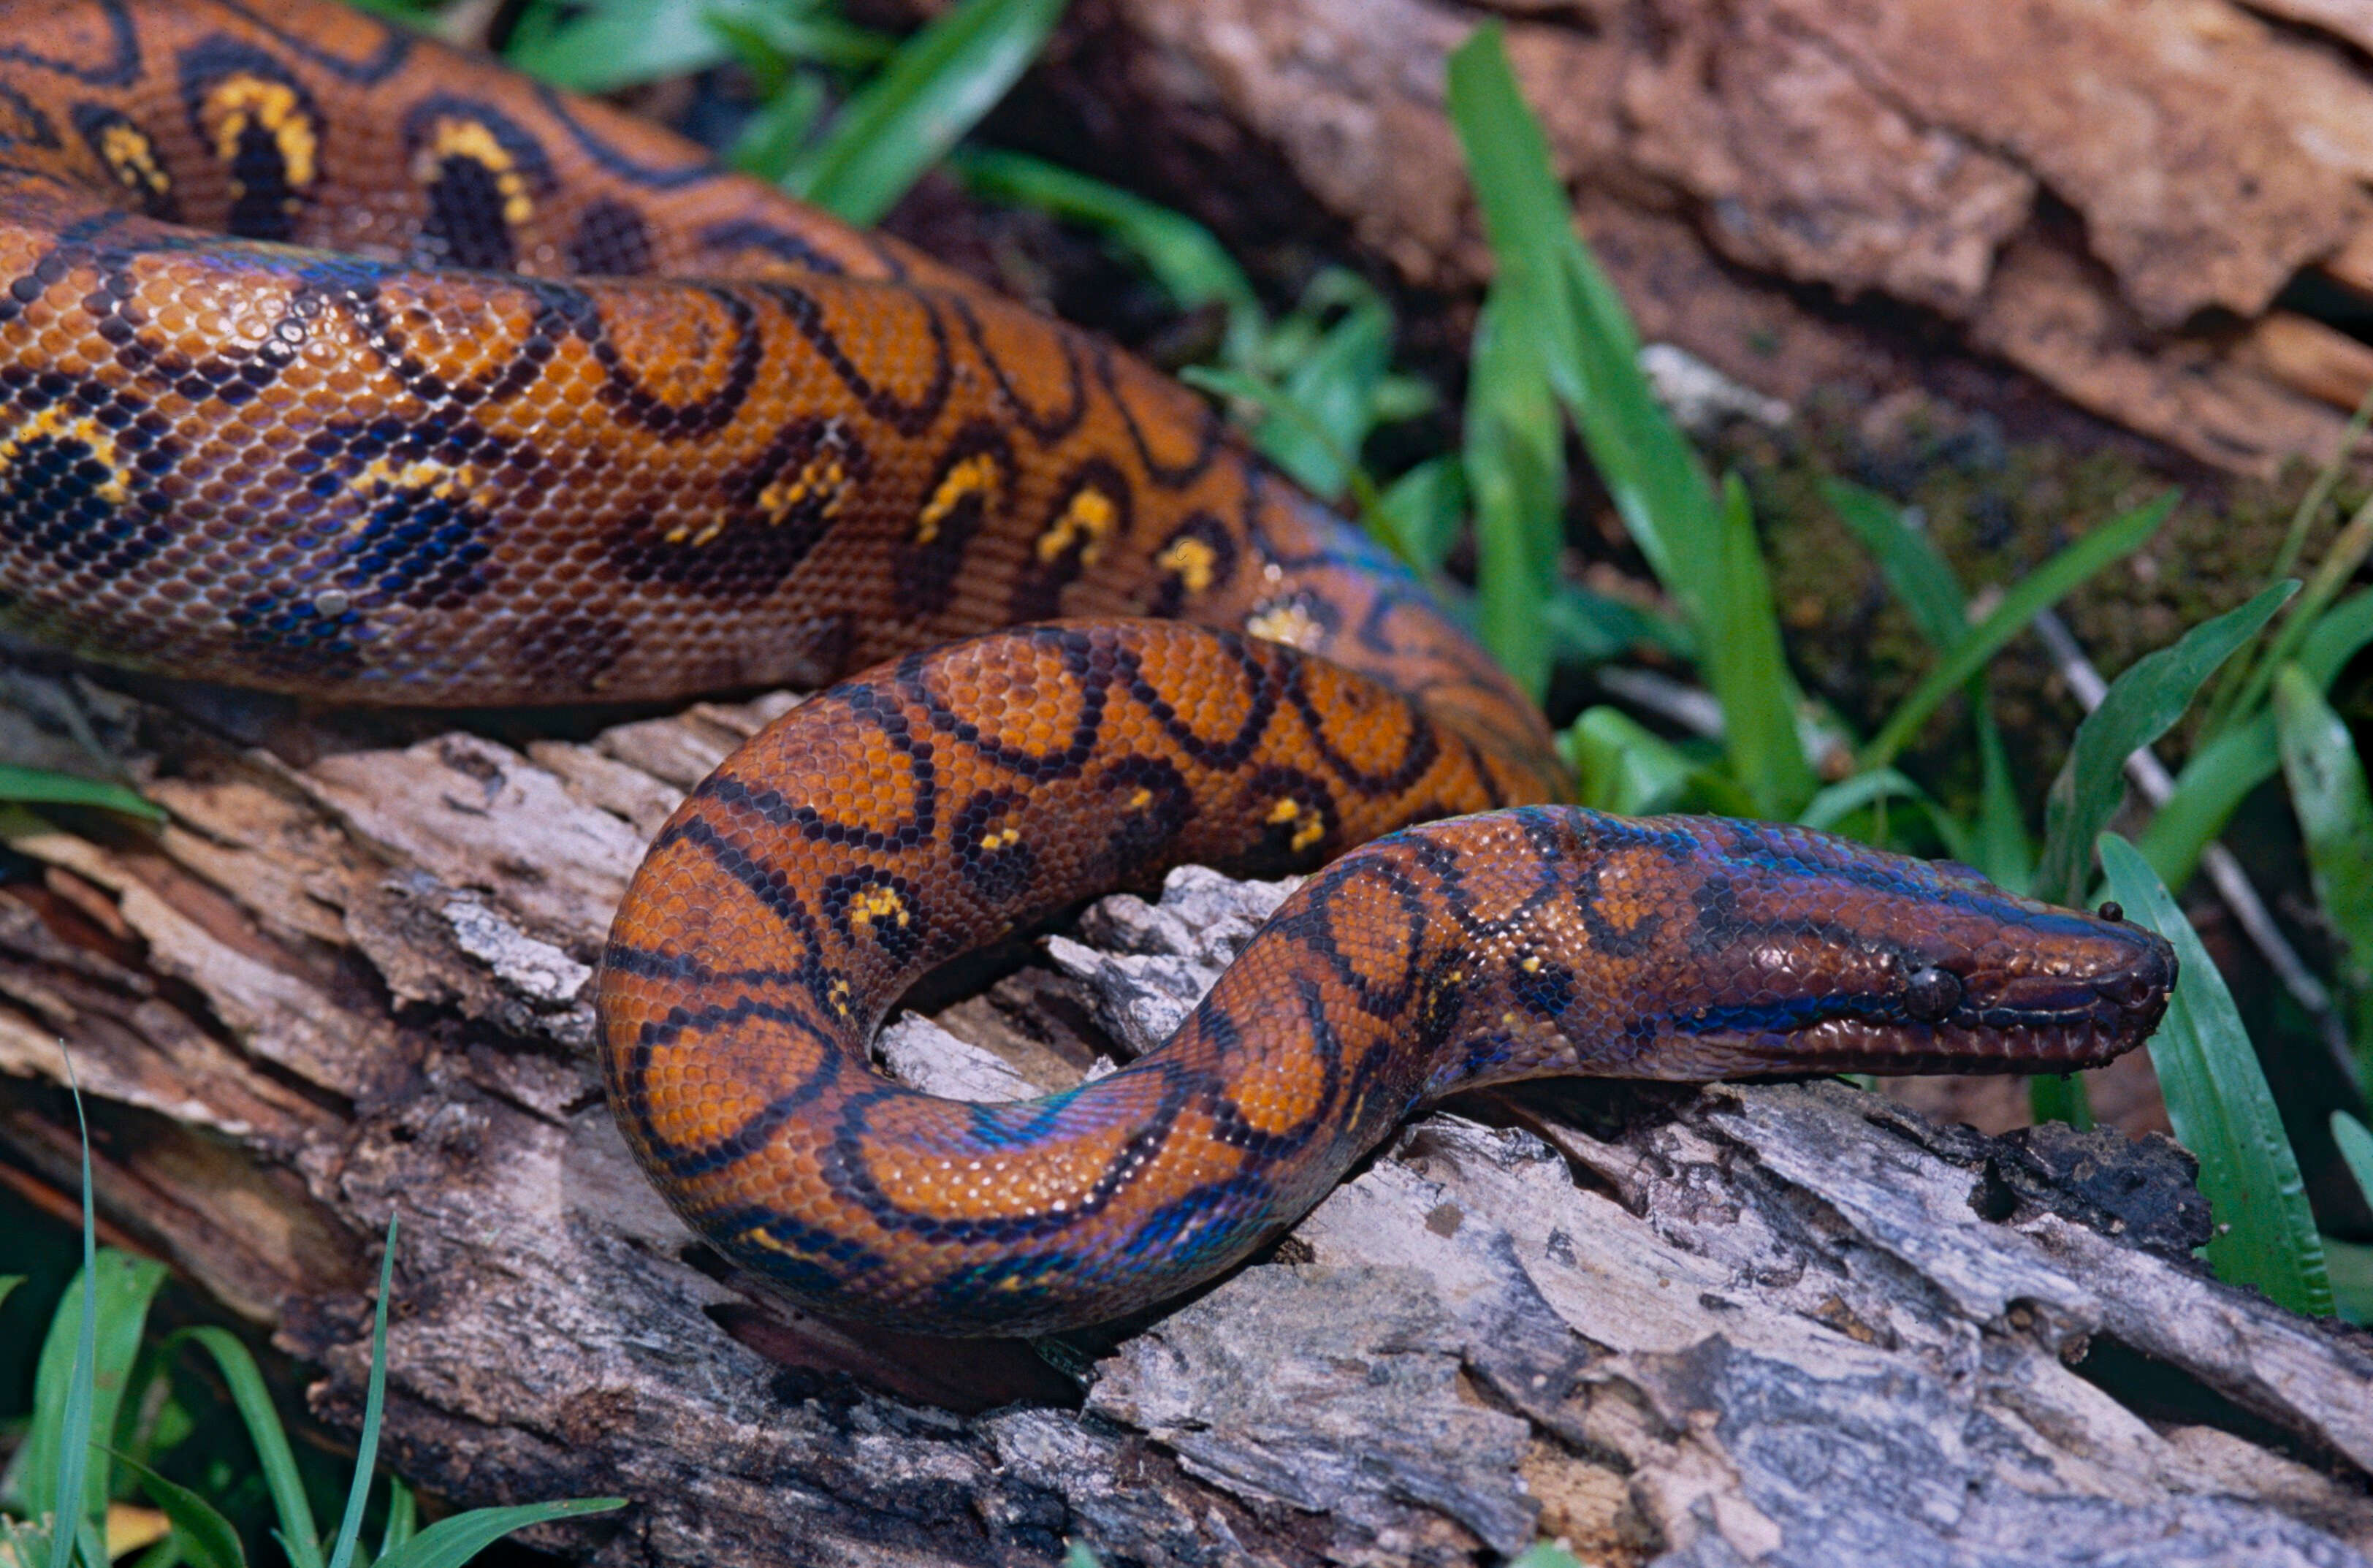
{"x": 1797, "y": 951}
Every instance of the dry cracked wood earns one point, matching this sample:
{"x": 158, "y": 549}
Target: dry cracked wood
{"x": 1777, "y": 1325}
{"x": 2111, "y": 197}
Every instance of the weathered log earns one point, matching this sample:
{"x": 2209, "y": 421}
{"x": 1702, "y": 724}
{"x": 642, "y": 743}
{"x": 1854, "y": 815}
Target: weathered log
{"x": 2131, "y": 203}
{"x": 1780, "y": 1324}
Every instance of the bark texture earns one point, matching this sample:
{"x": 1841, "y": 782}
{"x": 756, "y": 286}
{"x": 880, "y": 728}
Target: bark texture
{"x": 1780, "y": 1325}
{"x": 2159, "y": 211}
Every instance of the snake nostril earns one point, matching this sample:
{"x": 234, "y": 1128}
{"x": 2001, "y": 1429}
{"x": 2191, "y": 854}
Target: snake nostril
{"x": 2143, "y": 985}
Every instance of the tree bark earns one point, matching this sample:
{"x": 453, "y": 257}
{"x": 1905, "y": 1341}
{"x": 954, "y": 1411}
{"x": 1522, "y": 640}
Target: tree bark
{"x": 2159, "y": 211}
{"x": 1777, "y": 1324}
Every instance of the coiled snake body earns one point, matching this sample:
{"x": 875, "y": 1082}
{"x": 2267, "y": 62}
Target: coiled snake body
{"x": 334, "y": 362}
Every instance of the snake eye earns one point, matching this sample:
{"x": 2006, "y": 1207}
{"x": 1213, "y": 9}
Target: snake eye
{"x": 1930, "y": 994}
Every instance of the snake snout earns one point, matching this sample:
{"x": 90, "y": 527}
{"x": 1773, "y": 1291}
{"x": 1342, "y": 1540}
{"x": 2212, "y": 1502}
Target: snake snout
{"x": 2117, "y": 978}
{"x": 2138, "y": 993}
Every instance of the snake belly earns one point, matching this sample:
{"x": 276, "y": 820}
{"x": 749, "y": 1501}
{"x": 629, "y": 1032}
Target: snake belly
{"x": 335, "y": 362}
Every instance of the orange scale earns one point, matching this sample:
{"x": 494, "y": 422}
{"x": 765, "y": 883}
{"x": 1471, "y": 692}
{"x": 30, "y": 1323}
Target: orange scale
{"x": 1284, "y": 1091}
{"x": 708, "y": 1087}
{"x": 918, "y": 1152}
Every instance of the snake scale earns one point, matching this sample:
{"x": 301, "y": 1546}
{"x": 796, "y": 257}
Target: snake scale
{"x": 335, "y": 362}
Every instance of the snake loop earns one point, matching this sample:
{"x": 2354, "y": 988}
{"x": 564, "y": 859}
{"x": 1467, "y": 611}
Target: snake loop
{"x": 334, "y": 362}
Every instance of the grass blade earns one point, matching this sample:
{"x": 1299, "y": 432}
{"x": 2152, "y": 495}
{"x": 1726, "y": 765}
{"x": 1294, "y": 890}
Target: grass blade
{"x": 33, "y": 786}
{"x": 68, "y": 1513}
{"x": 206, "y": 1539}
{"x": 1841, "y": 801}
{"x": 1923, "y": 580}
{"x": 1746, "y": 668}
{"x": 2060, "y": 1096}
{"x": 2039, "y": 590}
{"x": 1592, "y": 628}
{"x": 1515, "y": 472}
{"x": 1426, "y": 506}
{"x": 402, "y": 1516}
{"x": 615, "y": 44}
{"x": 2335, "y": 818}
{"x": 1623, "y": 766}
{"x": 2336, "y": 638}
{"x": 2348, "y": 551}
{"x": 448, "y": 1543}
{"x": 1184, "y": 257}
{"x": 2222, "y": 1111}
{"x": 299, "y": 1537}
{"x": 619, "y": 43}
{"x": 1551, "y": 301}
{"x": 367, "y": 1445}
{"x": 2244, "y": 755}
{"x": 2140, "y": 706}
{"x": 1283, "y": 410}
{"x": 2351, "y": 1267}
{"x": 120, "y": 1286}
{"x": 2002, "y": 851}
{"x": 934, "y": 89}
{"x": 1336, "y": 383}
{"x": 2214, "y": 783}
{"x": 8, "y": 1283}
{"x": 2357, "y": 1149}
{"x": 1907, "y": 558}
{"x": 1556, "y": 298}
{"x": 1545, "y": 1554}
{"x": 772, "y": 139}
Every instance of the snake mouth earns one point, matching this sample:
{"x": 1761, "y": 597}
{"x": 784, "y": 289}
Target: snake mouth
{"x": 2015, "y": 1023}
{"x": 2026, "y": 1020}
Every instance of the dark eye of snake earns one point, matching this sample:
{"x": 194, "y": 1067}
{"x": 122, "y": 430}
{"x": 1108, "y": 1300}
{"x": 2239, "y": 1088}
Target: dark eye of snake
{"x": 1930, "y": 994}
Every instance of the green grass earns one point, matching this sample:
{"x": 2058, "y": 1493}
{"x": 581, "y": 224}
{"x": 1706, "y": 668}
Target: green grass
{"x": 109, "y": 1410}
{"x": 2222, "y": 1110}
{"x": 34, "y": 787}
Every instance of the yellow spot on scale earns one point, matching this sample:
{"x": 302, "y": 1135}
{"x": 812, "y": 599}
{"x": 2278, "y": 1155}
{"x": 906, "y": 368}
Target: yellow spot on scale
{"x": 1531, "y": 965}
{"x": 440, "y": 480}
{"x": 1312, "y": 824}
{"x": 453, "y": 137}
{"x": 1088, "y": 521}
{"x": 757, "y": 1235}
{"x": 1003, "y": 838}
{"x": 821, "y": 480}
{"x": 685, "y": 534}
{"x": 876, "y": 903}
{"x": 1142, "y": 799}
{"x": 57, "y": 424}
{"x": 131, "y": 158}
{"x": 1290, "y": 623}
{"x": 239, "y": 102}
{"x": 1192, "y": 561}
{"x": 837, "y": 993}
{"x": 379, "y": 476}
{"x": 974, "y": 476}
